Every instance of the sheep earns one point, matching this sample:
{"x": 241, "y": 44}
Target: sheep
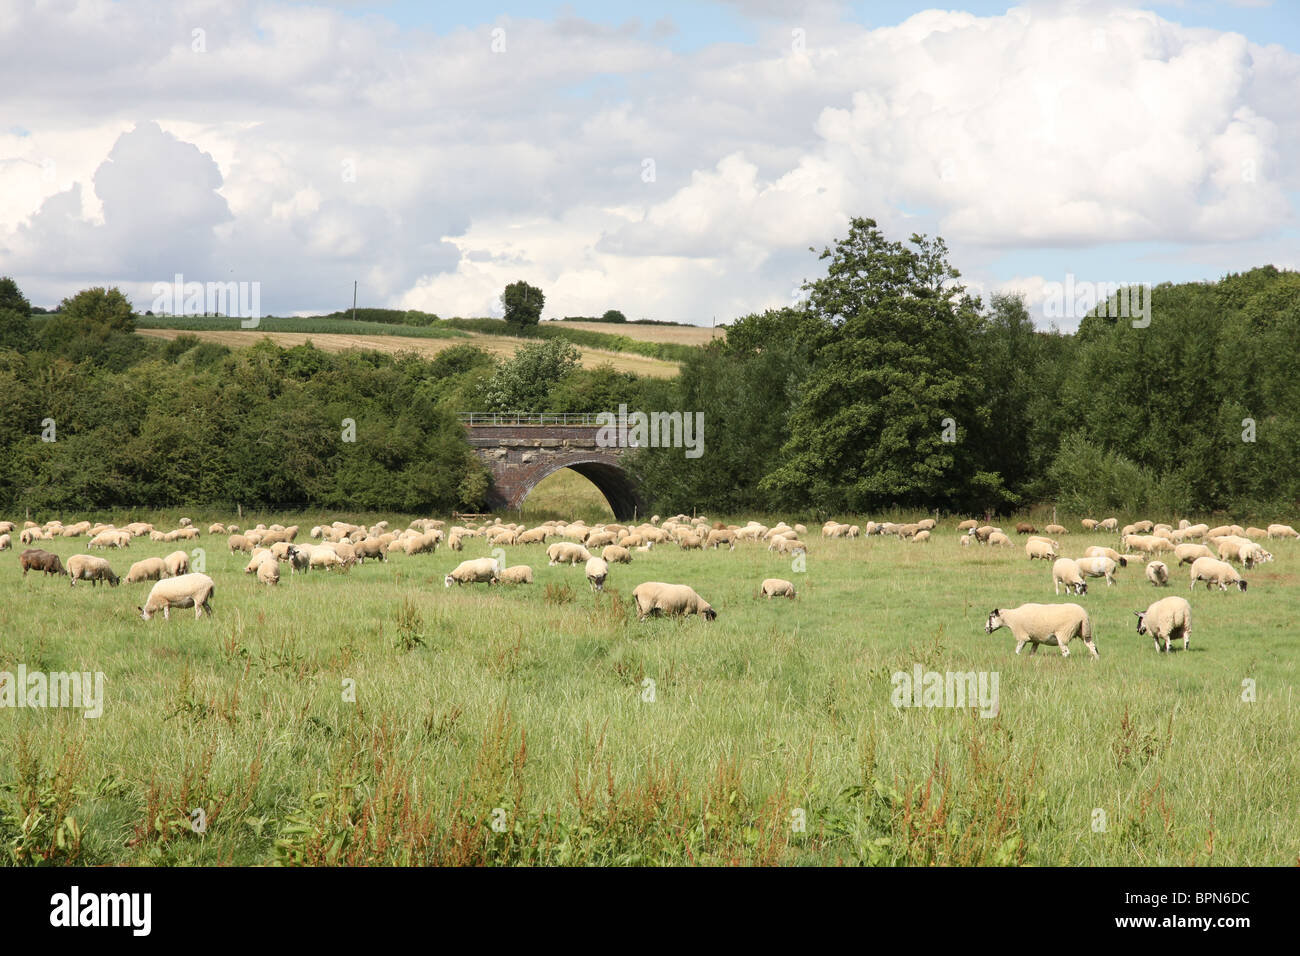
{"x": 599, "y": 539}
{"x": 474, "y": 571}
{"x": 150, "y": 569}
{"x": 984, "y": 532}
{"x": 1158, "y": 574}
{"x": 717, "y": 538}
{"x": 453, "y": 542}
{"x": 998, "y": 539}
{"x": 517, "y": 574}
{"x": 921, "y": 536}
{"x": 299, "y": 558}
{"x": 178, "y": 563}
{"x": 567, "y": 552}
{"x": 345, "y": 550}
{"x": 1056, "y": 529}
{"x": 689, "y": 542}
{"x": 1089, "y": 524}
{"x": 963, "y": 540}
{"x": 925, "y": 524}
{"x": 323, "y": 558}
{"x": 1066, "y": 571}
{"x": 1108, "y": 524}
{"x": 1097, "y": 566}
{"x": 597, "y": 571}
{"x": 268, "y": 572}
{"x": 34, "y": 559}
{"x": 1168, "y": 618}
{"x": 1144, "y": 526}
{"x": 216, "y": 528}
{"x": 88, "y": 567}
{"x": 615, "y": 554}
{"x": 238, "y": 542}
{"x": 1213, "y": 572}
{"x": 532, "y": 536}
{"x": 1254, "y": 533}
{"x": 1097, "y": 550}
{"x": 370, "y": 548}
{"x": 1146, "y": 544}
{"x": 256, "y": 560}
{"x": 1281, "y": 531}
{"x": 776, "y": 587}
{"x": 1026, "y": 528}
{"x": 1052, "y": 624}
{"x": 1187, "y": 553}
{"x": 1253, "y": 554}
{"x": 5, "y": 542}
{"x": 188, "y": 590}
{"x": 1040, "y": 548}
{"x": 655, "y": 597}
{"x": 968, "y": 524}
{"x": 787, "y": 546}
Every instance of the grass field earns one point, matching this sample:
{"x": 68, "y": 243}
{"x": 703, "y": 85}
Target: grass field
{"x": 533, "y": 708}
{"x": 405, "y": 339}
{"x": 674, "y": 334}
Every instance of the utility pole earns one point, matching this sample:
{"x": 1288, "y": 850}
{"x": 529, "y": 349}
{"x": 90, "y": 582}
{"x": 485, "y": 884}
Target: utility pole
{"x": 354, "y": 300}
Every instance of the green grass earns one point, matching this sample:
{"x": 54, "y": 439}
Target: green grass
{"x": 530, "y": 701}
{"x": 311, "y": 324}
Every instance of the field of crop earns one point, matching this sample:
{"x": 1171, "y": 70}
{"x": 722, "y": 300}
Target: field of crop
{"x": 544, "y": 724}
{"x": 673, "y": 334}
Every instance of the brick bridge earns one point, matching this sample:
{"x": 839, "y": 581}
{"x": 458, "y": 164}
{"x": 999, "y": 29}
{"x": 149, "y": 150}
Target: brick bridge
{"x": 522, "y": 449}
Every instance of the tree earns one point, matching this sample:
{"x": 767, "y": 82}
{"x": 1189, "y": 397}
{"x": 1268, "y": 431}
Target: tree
{"x": 884, "y": 415}
{"x": 522, "y": 303}
{"x": 11, "y": 297}
{"x": 613, "y": 315}
{"x": 524, "y": 383}
{"x": 87, "y": 321}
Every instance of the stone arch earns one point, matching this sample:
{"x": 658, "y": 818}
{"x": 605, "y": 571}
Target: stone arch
{"x": 602, "y": 470}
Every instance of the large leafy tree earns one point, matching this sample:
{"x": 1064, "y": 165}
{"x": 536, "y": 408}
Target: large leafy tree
{"x": 15, "y": 316}
{"x": 522, "y": 303}
{"x": 524, "y": 383}
{"x": 885, "y": 416}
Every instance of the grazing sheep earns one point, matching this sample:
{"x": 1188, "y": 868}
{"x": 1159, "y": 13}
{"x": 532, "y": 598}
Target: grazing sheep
{"x": 1097, "y": 566}
{"x": 1066, "y": 571}
{"x": 921, "y": 536}
{"x": 968, "y": 524}
{"x": 370, "y": 548}
{"x": 517, "y": 574}
{"x": 1253, "y": 554}
{"x": 1282, "y": 531}
{"x": 454, "y": 543}
{"x": 533, "y": 536}
{"x": 1158, "y": 574}
{"x": 984, "y": 532}
{"x": 927, "y": 524}
{"x": 256, "y": 560}
{"x": 188, "y": 590}
{"x": 5, "y": 542}
{"x": 655, "y": 597}
{"x": 787, "y": 546}
{"x": 597, "y": 571}
{"x": 217, "y": 528}
{"x": 1052, "y": 624}
{"x": 1146, "y": 544}
{"x": 1055, "y": 529}
{"x": 567, "y": 552}
{"x": 689, "y": 542}
{"x": 1040, "y": 548}
{"x": 150, "y": 569}
{"x": 1108, "y": 524}
{"x": 999, "y": 540}
{"x": 178, "y": 563}
{"x": 964, "y": 540}
{"x": 323, "y": 558}
{"x": 718, "y": 538}
{"x": 1256, "y": 533}
{"x": 268, "y": 572}
{"x": 1026, "y": 528}
{"x": 239, "y": 542}
{"x": 1187, "y": 553}
{"x": 474, "y": 571}
{"x": 1089, "y": 524}
{"x": 34, "y": 559}
{"x": 88, "y": 567}
{"x": 1097, "y": 550}
{"x": 1168, "y": 618}
{"x": 776, "y": 587}
{"x": 1213, "y": 572}
{"x": 616, "y": 554}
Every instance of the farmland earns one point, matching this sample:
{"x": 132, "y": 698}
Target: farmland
{"x": 592, "y": 738}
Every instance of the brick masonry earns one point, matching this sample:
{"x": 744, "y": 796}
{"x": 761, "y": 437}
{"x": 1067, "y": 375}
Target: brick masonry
{"x": 519, "y": 456}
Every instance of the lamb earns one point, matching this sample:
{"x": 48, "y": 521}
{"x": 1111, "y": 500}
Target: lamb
{"x": 88, "y": 567}
{"x": 150, "y": 569}
{"x": 1040, "y": 548}
{"x": 921, "y": 536}
{"x": 1282, "y": 531}
{"x": 1052, "y": 624}
{"x": 1213, "y": 572}
{"x": 1097, "y": 550}
{"x": 517, "y": 574}
{"x": 268, "y": 572}
{"x": 34, "y": 559}
{"x": 1097, "y": 566}
{"x": 776, "y": 587}
{"x": 597, "y": 571}
{"x": 188, "y": 590}
{"x": 655, "y": 597}
{"x": 1158, "y": 574}
{"x": 178, "y": 563}
{"x": 998, "y": 539}
{"x": 567, "y": 552}
{"x": 1066, "y": 571}
{"x": 475, "y": 571}
{"x": 1187, "y": 553}
{"x": 964, "y": 540}
{"x": 1168, "y": 618}
{"x": 615, "y": 554}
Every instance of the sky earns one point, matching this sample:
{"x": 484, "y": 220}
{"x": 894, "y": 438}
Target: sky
{"x": 676, "y": 161}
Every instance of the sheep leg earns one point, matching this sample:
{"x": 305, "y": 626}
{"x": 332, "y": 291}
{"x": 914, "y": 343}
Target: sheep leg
{"x": 1187, "y": 636}
{"x": 167, "y": 612}
{"x": 1092, "y": 647}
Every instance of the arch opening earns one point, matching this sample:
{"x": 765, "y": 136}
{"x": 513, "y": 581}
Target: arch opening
{"x": 610, "y": 480}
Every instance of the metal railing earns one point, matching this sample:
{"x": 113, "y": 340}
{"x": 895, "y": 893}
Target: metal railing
{"x": 529, "y": 418}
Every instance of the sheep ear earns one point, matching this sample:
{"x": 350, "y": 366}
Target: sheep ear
{"x": 1138, "y": 613}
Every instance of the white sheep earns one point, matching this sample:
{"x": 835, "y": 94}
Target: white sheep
{"x": 1097, "y": 566}
{"x": 150, "y": 569}
{"x": 1040, "y": 548}
{"x": 1187, "y": 553}
{"x": 616, "y": 554}
{"x": 1213, "y": 571}
{"x": 597, "y": 571}
{"x": 655, "y": 597}
{"x": 1158, "y": 573}
{"x": 567, "y": 552}
{"x": 1052, "y": 624}
{"x": 516, "y": 574}
{"x": 1066, "y": 571}
{"x": 188, "y": 590}
{"x": 92, "y": 568}
{"x": 474, "y": 571}
{"x": 268, "y": 572}
{"x": 1168, "y": 618}
{"x": 178, "y": 563}
{"x": 776, "y": 587}
{"x": 1097, "y": 550}
{"x": 1282, "y": 531}
{"x": 921, "y": 536}
{"x": 999, "y": 540}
